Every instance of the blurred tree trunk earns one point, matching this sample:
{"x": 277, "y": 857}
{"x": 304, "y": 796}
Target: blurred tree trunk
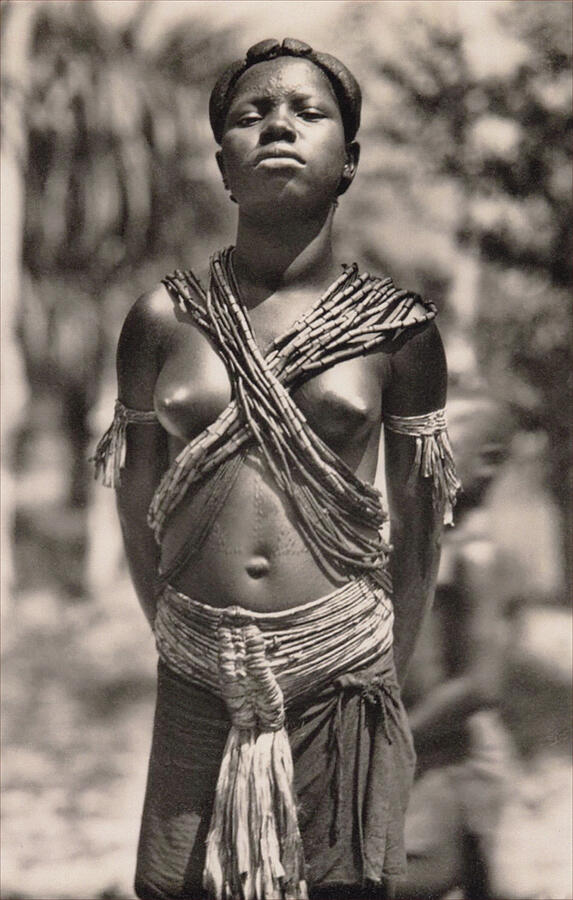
{"x": 16, "y": 33}
{"x": 99, "y": 133}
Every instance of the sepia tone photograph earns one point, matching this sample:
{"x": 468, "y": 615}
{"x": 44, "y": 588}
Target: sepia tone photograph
{"x": 286, "y": 450}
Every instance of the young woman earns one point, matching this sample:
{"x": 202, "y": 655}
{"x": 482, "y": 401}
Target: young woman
{"x": 243, "y": 451}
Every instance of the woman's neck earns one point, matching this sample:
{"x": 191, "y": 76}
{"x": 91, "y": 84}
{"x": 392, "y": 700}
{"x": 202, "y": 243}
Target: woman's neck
{"x": 274, "y": 256}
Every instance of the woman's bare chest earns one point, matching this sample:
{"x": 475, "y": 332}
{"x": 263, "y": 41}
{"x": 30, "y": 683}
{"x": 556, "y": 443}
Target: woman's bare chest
{"x": 342, "y": 404}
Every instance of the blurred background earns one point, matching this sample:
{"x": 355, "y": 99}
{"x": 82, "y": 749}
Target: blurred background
{"x": 109, "y": 181}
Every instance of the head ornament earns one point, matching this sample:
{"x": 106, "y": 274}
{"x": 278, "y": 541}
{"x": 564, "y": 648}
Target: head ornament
{"x": 343, "y": 82}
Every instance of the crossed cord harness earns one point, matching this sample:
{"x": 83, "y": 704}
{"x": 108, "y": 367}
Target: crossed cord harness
{"x": 339, "y": 515}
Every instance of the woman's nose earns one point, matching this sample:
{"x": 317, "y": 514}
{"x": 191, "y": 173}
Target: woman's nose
{"x": 278, "y": 126}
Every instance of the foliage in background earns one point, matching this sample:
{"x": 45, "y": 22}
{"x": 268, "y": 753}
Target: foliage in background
{"x": 117, "y": 142}
{"x": 522, "y": 221}
{"x": 117, "y": 178}
{"x": 499, "y": 146}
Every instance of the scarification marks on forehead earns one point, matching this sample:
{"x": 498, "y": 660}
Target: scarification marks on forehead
{"x": 283, "y": 77}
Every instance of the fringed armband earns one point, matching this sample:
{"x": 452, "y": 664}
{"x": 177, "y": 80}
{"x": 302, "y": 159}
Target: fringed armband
{"x": 109, "y": 456}
{"x": 434, "y": 458}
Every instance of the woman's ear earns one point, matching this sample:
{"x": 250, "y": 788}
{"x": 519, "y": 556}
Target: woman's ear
{"x": 221, "y": 164}
{"x": 350, "y": 166}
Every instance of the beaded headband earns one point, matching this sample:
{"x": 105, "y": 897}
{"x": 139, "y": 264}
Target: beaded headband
{"x": 346, "y": 88}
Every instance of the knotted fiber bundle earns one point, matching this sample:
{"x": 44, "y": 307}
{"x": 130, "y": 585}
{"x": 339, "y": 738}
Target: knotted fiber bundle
{"x": 339, "y": 515}
{"x": 254, "y": 847}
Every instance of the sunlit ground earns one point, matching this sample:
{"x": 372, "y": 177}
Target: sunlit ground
{"x": 78, "y": 681}
{"x": 77, "y": 718}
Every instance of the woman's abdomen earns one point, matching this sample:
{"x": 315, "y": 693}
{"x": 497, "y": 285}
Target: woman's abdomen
{"x": 254, "y": 555}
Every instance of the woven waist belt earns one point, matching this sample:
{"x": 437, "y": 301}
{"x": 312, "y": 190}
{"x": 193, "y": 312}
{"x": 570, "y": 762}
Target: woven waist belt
{"x": 256, "y": 662}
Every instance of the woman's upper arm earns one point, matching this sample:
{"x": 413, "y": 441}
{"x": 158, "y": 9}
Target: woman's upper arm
{"x": 141, "y": 348}
{"x": 418, "y": 375}
{"x": 417, "y": 447}
{"x": 416, "y": 479}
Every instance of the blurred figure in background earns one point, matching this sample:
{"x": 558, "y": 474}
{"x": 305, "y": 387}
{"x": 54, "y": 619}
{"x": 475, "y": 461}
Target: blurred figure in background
{"x": 453, "y": 685}
{"x": 532, "y": 854}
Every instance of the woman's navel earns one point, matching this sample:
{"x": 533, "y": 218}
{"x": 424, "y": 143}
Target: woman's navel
{"x": 258, "y": 567}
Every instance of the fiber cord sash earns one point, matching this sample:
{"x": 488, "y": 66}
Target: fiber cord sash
{"x": 339, "y": 515}
{"x": 257, "y": 662}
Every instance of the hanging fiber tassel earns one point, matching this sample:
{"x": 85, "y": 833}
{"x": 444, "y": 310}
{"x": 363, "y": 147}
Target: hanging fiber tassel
{"x": 109, "y": 456}
{"x": 254, "y": 848}
{"x": 433, "y": 457}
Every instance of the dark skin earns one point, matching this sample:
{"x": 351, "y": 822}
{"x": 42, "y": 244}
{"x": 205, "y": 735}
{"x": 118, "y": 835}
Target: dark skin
{"x": 284, "y": 159}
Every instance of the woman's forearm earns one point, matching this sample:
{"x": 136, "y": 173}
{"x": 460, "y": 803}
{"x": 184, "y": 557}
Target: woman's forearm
{"x": 415, "y": 537}
{"x": 141, "y": 550}
{"x": 142, "y": 558}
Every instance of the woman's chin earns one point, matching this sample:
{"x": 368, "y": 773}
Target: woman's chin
{"x": 282, "y": 195}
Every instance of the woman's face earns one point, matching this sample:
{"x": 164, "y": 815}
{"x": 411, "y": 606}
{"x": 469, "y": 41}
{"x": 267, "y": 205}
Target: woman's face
{"x": 283, "y": 138}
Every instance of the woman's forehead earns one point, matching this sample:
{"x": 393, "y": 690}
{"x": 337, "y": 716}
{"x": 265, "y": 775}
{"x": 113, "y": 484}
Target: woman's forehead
{"x": 283, "y": 75}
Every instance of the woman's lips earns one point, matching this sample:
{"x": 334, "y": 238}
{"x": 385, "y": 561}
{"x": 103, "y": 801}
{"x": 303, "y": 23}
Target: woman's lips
{"x": 279, "y": 157}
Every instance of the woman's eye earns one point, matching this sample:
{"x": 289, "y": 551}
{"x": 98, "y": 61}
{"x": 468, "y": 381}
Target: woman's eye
{"x": 311, "y": 115}
{"x": 249, "y": 119}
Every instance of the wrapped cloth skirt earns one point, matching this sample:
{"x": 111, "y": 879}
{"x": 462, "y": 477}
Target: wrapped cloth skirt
{"x": 327, "y": 681}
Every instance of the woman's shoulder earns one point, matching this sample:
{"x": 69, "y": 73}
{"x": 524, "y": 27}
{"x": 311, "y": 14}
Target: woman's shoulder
{"x": 416, "y": 309}
{"x": 145, "y": 336}
{"x": 403, "y": 307}
{"x": 155, "y": 312}
{"x": 414, "y": 318}
{"x": 418, "y": 372}
{"x": 153, "y": 320}
{"x": 149, "y": 320}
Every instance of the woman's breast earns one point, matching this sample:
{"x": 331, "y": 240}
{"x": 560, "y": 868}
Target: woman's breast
{"x": 342, "y": 405}
{"x": 193, "y": 388}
